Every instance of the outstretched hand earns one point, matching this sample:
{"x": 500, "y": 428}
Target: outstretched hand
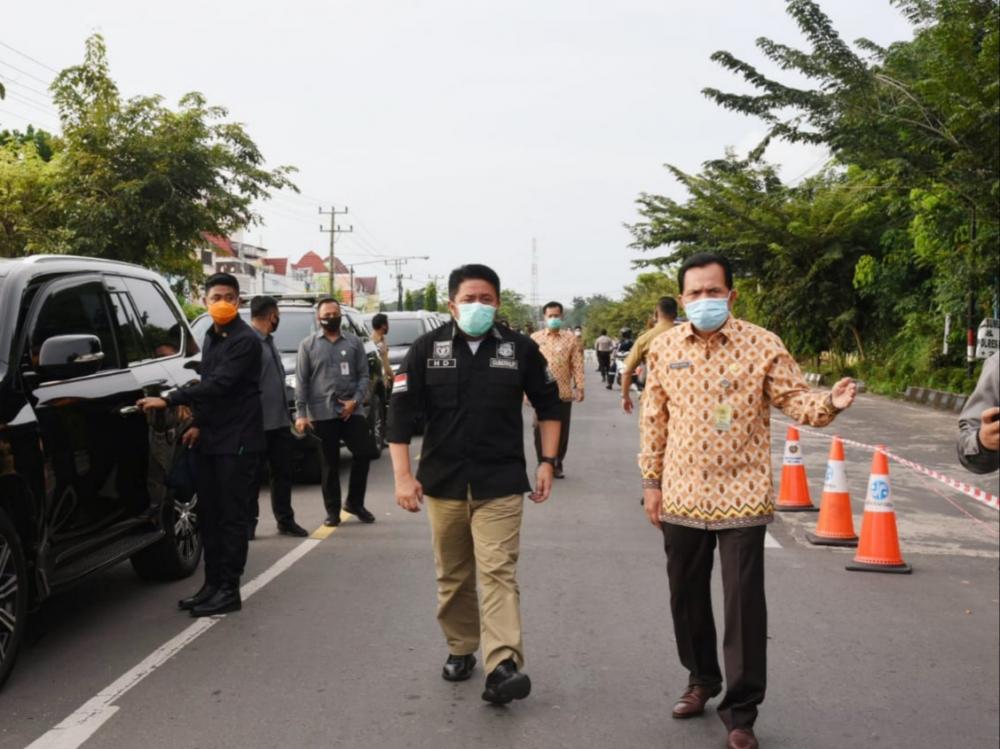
{"x": 844, "y": 393}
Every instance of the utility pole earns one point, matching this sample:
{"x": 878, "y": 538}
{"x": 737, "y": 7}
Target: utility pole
{"x": 333, "y": 231}
{"x": 399, "y": 262}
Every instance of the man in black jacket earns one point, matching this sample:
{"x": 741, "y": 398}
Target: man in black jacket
{"x": 229, "y": 433}
{"x": 467, "y": 380}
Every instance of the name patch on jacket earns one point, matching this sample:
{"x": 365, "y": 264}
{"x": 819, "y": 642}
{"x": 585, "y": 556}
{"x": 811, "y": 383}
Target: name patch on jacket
{"x": 442, "y": 363}
{"x": 680, "y": 364}
{"x": 503, "y": 363}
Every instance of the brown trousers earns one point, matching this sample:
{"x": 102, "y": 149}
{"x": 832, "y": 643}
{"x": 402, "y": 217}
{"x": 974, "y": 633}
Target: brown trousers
{"x": 690, "y": 553}
{"x": 479, "y": 541}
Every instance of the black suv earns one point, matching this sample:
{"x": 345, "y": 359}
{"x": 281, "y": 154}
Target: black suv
{"x": 298, "y": 321}
{"x": 85, "y": 478}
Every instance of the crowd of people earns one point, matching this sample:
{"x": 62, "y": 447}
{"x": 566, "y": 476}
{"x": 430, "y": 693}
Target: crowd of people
{"x": 704, "y": 462}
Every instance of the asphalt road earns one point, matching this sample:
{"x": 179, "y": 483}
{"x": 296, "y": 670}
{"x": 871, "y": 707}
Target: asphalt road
{"x": 342, "y": 649}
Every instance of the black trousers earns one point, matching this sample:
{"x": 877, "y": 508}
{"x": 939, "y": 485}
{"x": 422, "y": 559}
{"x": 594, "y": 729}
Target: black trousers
{"x": 603, "y": 363}
{"x": 690, "y": 553}
{"x": 565, "y": 411}
{"x": 277, "y": 459}
{"x": 224, "y": 486}
{"x": 354, "y": 432}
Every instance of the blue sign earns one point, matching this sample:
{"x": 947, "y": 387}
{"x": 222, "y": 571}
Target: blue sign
{"x": 880, "y": 490}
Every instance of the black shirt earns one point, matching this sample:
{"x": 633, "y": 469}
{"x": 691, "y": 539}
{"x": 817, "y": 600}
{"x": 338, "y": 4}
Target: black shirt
{"x": 226, "y": 402}
{"x": 474, "y": 436}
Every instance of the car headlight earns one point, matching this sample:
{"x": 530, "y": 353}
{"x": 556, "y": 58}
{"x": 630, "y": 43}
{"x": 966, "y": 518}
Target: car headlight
{"x": 290, "y": 381}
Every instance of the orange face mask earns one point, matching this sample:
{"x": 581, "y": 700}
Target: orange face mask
{"x": 222, "y": 312}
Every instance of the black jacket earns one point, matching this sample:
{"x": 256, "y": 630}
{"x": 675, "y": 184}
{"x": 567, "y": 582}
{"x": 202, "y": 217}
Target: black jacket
{"x": 474, "y": 436}
{"x": 226, "y": 402}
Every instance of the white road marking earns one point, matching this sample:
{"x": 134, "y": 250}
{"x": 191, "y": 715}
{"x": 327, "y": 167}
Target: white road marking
{"x": 770, "y": 542}
{"x": 85, "y": 721}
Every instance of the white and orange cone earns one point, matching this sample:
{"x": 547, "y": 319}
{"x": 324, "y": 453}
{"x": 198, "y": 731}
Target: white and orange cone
{"x": 835, "y": 526}
{"x": 878, "y": 550}
{"x": 793, "y": 493}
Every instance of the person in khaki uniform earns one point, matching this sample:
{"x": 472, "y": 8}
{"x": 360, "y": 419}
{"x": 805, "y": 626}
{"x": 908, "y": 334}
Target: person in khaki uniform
{"x": 666, "y": 313}
{"x": 467, "y": 380}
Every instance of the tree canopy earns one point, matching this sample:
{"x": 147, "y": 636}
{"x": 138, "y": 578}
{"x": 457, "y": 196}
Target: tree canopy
{"x": 130, "y": 179}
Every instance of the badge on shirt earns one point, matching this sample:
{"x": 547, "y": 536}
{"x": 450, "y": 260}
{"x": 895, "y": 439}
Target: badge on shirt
{"x": 722, "y": 417}
{"x": 345, "y": 368}
{"x": 442, "y": 349}
{"x": 680, "y": 364}
{"x": 506, "y": 350}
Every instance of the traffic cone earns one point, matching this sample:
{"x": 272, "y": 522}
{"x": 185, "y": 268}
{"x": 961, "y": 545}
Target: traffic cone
{"x": 793, "y": 493}
{"x": 835, "y": 526}
{"x": 878, "y": 550}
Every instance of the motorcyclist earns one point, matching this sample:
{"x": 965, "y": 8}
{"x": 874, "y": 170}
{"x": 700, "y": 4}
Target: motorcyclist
{"x": 624, "y": 345}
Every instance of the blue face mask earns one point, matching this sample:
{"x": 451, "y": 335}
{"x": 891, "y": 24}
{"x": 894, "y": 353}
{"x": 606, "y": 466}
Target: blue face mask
{"x": 708, "y": 314}
{"x": 475, "y": 319}
{"x": 554, "y": 323}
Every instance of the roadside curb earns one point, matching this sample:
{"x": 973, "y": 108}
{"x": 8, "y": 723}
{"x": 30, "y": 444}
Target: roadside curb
{"x": 935, "y": 399}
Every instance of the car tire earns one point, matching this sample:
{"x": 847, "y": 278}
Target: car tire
{"x": 13, "y": 595}
{"x": 176, "y": 555}
{"x": 376, "y": 425}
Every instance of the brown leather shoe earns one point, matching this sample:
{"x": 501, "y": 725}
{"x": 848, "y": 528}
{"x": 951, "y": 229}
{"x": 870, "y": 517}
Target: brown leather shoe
{"x": 742, "y": 738}
{"x": 692, "y": 702}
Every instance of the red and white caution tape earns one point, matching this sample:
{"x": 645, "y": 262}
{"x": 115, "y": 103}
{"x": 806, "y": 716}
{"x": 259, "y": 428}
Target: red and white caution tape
{"x": 980, "y": 495}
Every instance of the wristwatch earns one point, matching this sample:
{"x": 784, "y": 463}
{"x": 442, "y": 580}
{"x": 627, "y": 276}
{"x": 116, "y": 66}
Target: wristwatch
{"x": 550, "y": 461}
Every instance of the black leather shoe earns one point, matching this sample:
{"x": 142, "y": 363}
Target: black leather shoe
{"x": 506, "y": 684}
{"x": 458, "y": 667}
{"x": 332, "y": 521}
{"x": 206, "y": 592}
{"x": 360, "y": 513}
{"x": 292, "y": 529}
{"x": 223, "y": 601}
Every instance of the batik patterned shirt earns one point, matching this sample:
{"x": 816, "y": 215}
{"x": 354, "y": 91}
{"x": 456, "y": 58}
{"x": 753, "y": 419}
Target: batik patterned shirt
{"x": 564, "y": 354}
{"x": 705, "y": 429}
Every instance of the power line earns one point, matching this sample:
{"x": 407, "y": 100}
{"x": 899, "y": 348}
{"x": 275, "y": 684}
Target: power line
{"x": 29, "y": 57}
{"x": 24, "y": 72}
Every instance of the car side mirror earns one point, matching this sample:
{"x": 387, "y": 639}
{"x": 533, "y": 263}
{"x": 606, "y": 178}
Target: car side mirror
{"x": 63, "y": 357}
{"x": 194, "y": 365}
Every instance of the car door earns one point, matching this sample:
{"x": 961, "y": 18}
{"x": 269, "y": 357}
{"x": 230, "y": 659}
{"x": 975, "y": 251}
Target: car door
{"x": 93, "y": 438}
{"x": 157, "y": 346}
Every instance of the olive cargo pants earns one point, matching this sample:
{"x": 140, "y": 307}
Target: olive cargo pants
{"x": 479, "y": 540}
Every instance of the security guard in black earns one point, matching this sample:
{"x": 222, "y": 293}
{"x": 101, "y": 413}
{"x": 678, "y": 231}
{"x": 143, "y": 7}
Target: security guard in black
{"x": 474, "y": 436}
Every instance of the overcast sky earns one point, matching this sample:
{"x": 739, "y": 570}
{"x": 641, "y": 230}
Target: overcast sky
{"x": 457, "y": 129}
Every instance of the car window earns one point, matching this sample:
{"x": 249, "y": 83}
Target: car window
{"x": 130, "y": 336}
{"x": 403, "y": 332}
{"x": 200, "y": 326}
{"x": 161, "y": 328}
{"x": 78, "y": 310}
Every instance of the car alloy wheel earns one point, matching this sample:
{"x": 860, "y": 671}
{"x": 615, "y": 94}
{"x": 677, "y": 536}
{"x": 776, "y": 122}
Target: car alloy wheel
{"x": 13, "y": 595}
{"x": 186, "y": 529}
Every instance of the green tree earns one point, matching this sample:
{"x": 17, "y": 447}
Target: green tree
{"x": 921, "y": 114}
{"x": 408, "y": 303}
{"x": 44, "y": 142}
{"x": 515, "y": 311}
{"x": 31, "y": 205}
{"x": 635, "y": 308}
{"x": 431, "y": 296}
{"x": 140, "y": 182}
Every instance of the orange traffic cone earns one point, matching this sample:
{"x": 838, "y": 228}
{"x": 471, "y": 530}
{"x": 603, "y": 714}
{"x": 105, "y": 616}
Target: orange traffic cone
{"x": 835, "y": 526}
{"x": 793, "y": 493}
{"x": 878, "y": 550}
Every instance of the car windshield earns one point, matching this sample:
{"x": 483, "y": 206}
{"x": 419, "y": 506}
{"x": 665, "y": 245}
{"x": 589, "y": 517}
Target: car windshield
{"x": 295, "y": 325}
{"x": 403, "y": 332}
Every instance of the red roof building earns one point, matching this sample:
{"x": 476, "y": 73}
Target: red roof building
{"x": 221, "y": 244}
{"x": 317, "y": 265}
{"x": 277, "y": 265}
